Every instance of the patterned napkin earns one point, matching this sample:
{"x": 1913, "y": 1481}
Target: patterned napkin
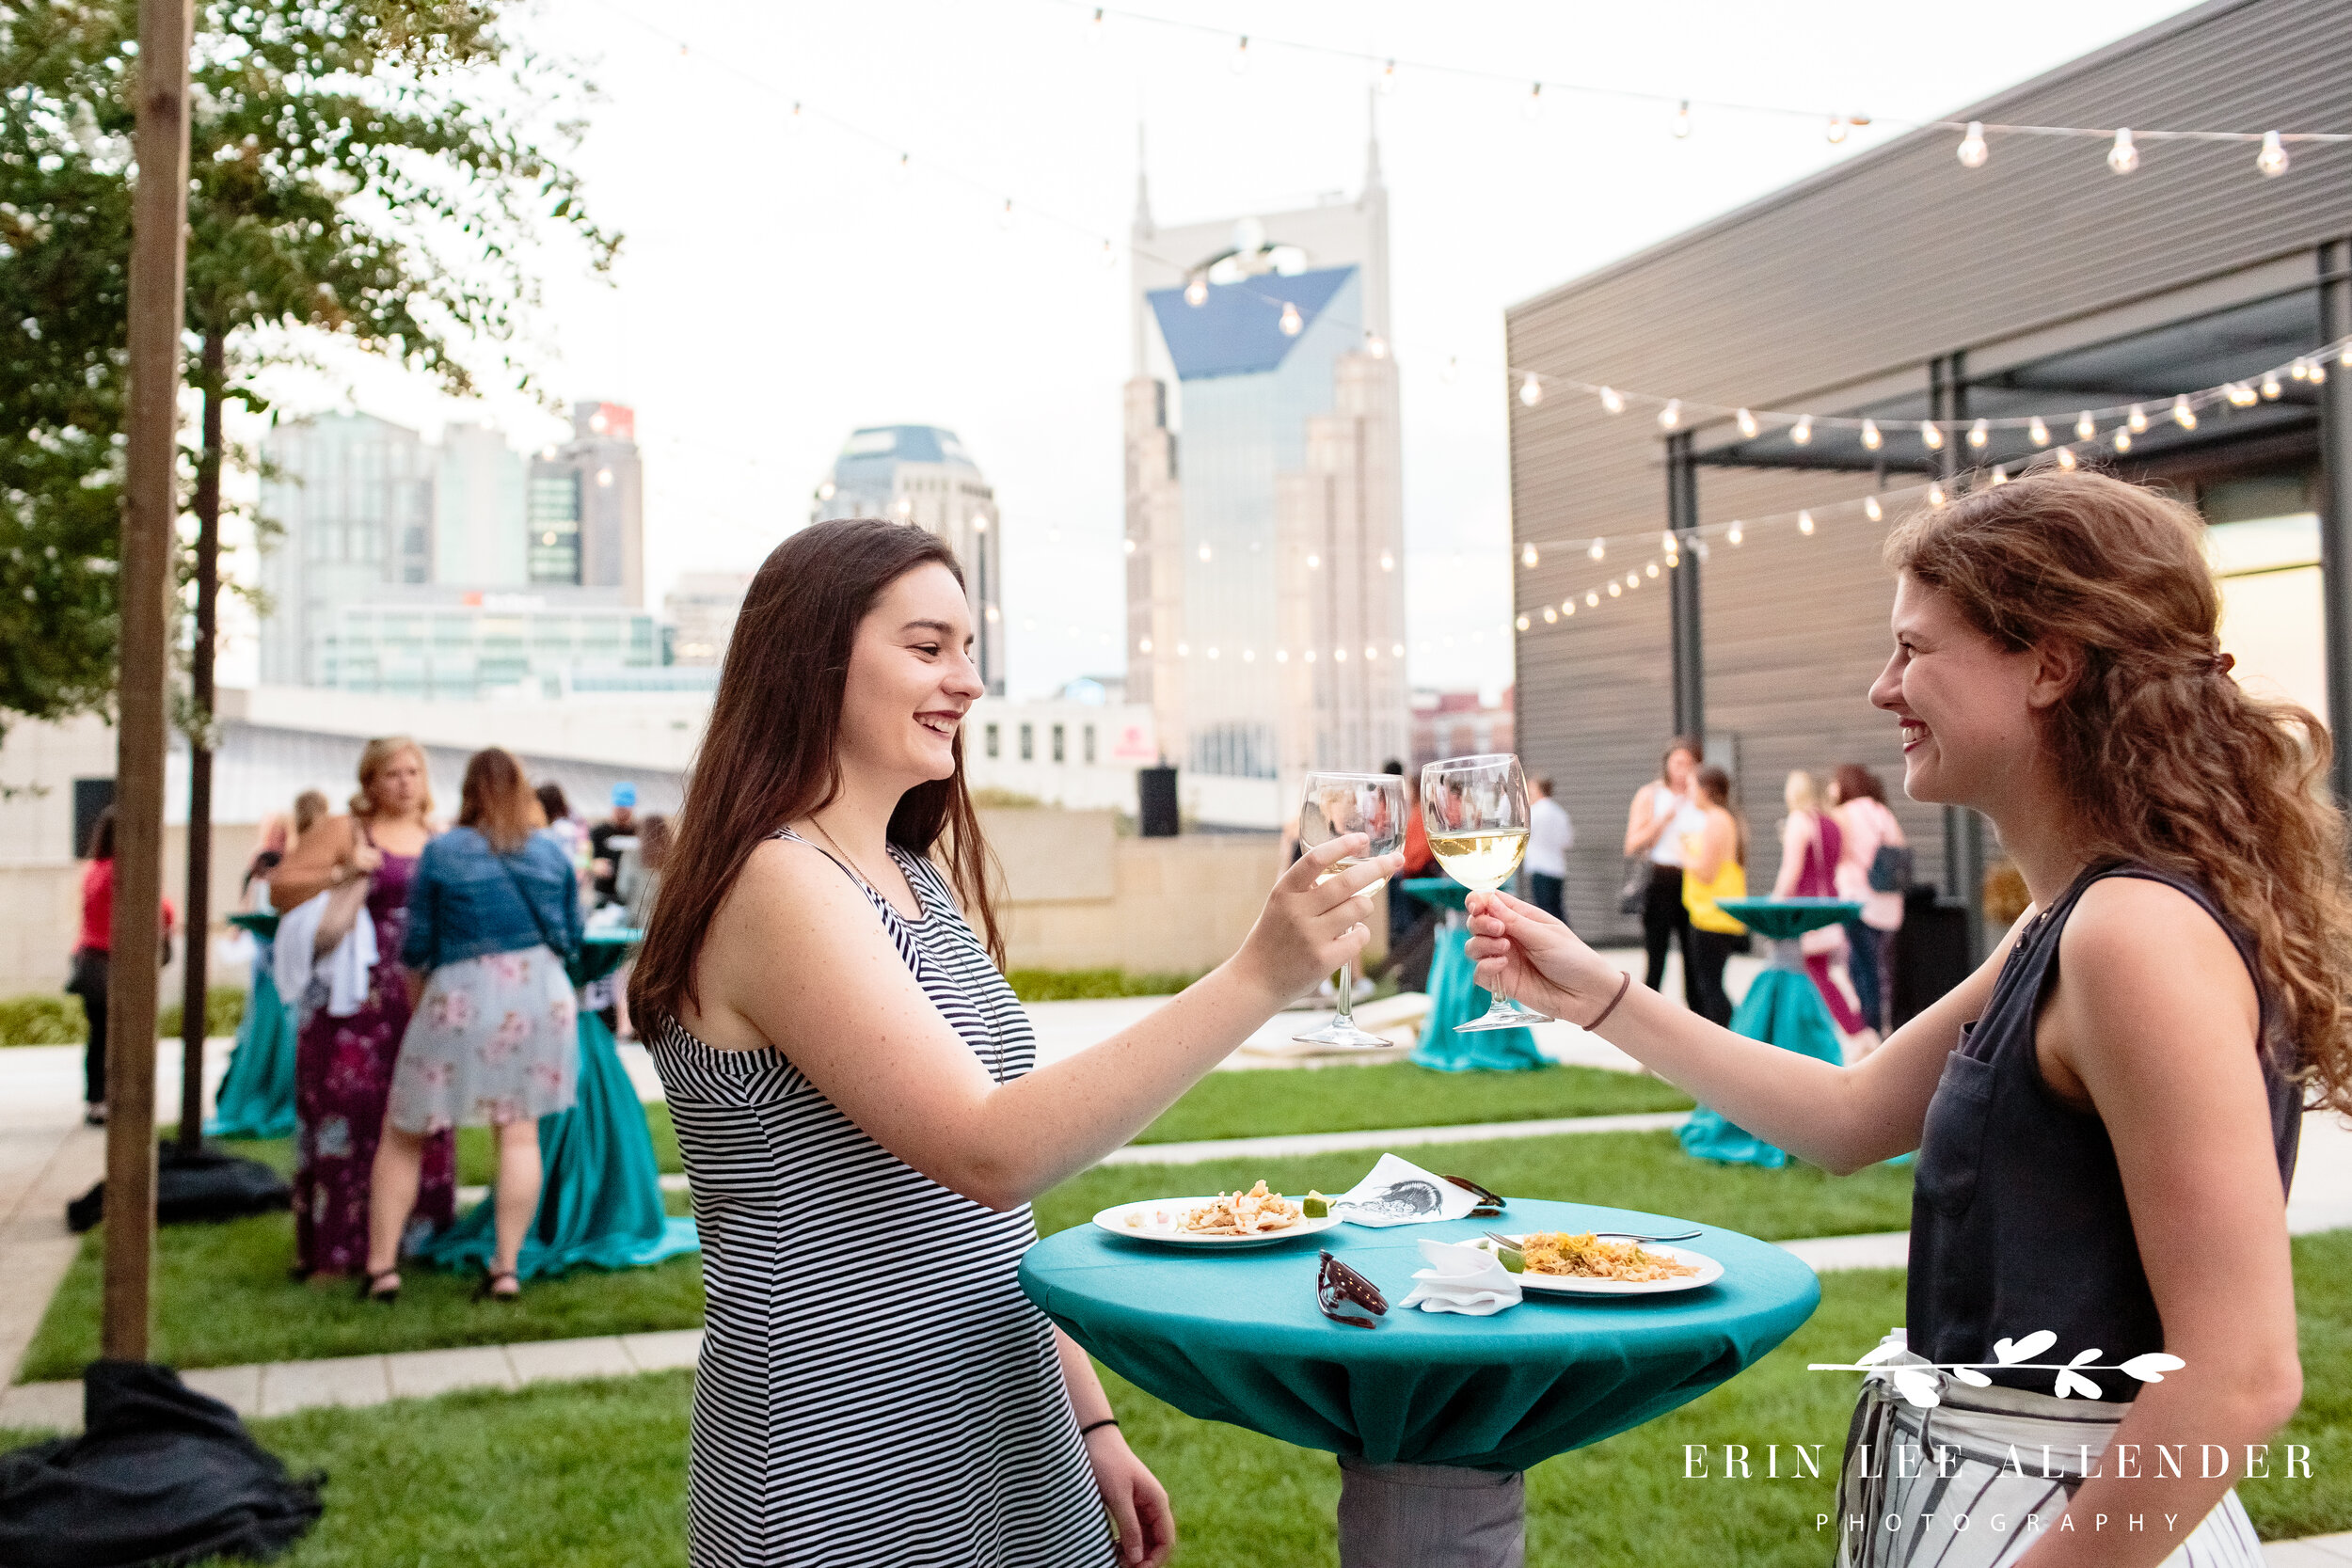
{"x": 1465, "y": 1279}
{"x": 1399, "y": 1192}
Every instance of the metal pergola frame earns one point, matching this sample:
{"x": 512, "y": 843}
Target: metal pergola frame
{"x": 2151, "y": 365}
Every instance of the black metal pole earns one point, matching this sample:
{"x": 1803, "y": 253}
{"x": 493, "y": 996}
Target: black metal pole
{"x": 2335, "y": 507}
{"x": 1964, "y": 830}
{"x": 1689, "y": 633}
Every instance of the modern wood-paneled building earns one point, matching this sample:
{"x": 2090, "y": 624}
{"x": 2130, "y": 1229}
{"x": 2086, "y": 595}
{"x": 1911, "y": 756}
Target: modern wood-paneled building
{"x": 1902, "y": 285}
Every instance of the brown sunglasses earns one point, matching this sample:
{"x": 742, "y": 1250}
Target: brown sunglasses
{"x": 1488, "y": 1203}
{"x": 1336, "y": 1283}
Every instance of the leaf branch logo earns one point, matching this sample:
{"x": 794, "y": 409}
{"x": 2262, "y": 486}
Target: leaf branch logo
{"x": 1920, "y": 1381}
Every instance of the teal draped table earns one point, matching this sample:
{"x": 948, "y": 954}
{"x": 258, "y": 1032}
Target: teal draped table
{"x": 1236, "y": 1337}
{"x": 1782, "y": 1007}
{"x": 1456, "y": 998}
{"x": 257, "y": 1094}
{"x": 600, "y": 1187}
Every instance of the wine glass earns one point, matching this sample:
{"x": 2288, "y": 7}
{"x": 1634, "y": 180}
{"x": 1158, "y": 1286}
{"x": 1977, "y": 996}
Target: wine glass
{"x": 1336, "y": 804}
{"x": 1475, "y": 809}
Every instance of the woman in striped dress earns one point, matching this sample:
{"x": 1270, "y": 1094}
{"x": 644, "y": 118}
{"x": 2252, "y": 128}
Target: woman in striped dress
{"x": 851, "y": 1080}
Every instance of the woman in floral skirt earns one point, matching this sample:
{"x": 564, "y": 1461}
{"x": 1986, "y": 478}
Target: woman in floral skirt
{"x": 492, "y": 918}
{"x": 343, "y": 1065}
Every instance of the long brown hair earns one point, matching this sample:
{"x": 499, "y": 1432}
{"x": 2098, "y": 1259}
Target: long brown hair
{"x": 771, "y": 751}
{"x": 2163, "y": 759}
{"x": 497, "y": 801}
{"x": 1715, "y": 786}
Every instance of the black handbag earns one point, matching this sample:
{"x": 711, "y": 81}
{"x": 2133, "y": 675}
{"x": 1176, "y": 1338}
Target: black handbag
{"x": 1635, "y": 894}
{"x": 1890, "y": 869}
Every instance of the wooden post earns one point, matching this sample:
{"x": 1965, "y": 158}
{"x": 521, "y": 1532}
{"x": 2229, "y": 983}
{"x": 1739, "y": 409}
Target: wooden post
{"x": 193, "y": 1021}
{"x": 149, "y": 522}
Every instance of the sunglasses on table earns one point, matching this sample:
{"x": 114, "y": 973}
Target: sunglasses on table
{"x": 1489, "y": 1203}
{"x": 1338, "y": 1286}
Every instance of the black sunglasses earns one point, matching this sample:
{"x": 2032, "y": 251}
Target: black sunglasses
{"x": 1336, "y": 1283}
{"x": 1488, "y": 1203}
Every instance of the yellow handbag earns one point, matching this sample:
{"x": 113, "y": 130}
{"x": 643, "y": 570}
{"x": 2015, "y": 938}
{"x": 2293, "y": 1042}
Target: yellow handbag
{"x": 1730, "y": 881}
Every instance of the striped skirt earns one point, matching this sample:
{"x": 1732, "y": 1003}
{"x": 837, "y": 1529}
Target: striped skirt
{"x": 1965, "y": 1502}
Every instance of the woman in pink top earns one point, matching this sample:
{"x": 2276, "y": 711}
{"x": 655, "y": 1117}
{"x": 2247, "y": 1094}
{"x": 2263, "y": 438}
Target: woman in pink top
{"x": 1858, "y": 800}
{"x": 1810, "y": 846}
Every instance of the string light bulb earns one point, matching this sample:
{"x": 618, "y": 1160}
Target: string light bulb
{"x": 2038, "y": 432}
{"x": 2066, "y": 459}
{"x": 1534, "y": 104}
{"x": 2270, "y": 386}
{"x": 1611, "y": 401}
{"x": 1973, "y": 151}
{"x": 906, "y": 165}
{"x": 1109, "y": 255}
{"x": 1805, "y": 523}
{"x": 1617, "y": 588}
{"x": 1530, "y": 390}
{"x": 1292, "y": 323}
{"x": 1197, "y": 292}
{"x": 2318, "y": 373}
{"x": 1802, "y": 433}
{"x": 1388, "y": 78}
{"x": 2122, "y": 157}
{"x": 1870, "y": 437}
{"x": 2122, "y": 437}
{"x": 1979, "y": 433}
{"x": 2300, "y": 369}
{"x": 1003, "y": 214}
{"x": 1453, "y": 368}
{"x": 1633, "y": 580}
{"x": 1375, "y": 345}
{"x": 1670, "y": 416}
{"x": 1872, "y": 510}
{"x": 1651, "y": 570}
{"x": 1521, "y": 622}
{"x": 1240, "y": 55}
{"x": 1836, "y": 131}
{"x": 1598, "y": 549}
{"x": 1567, "y": 607}
{"x": 1552, "y": 616}
{"x": 1681, "y": 123}
{"x": 1094, "y": 28}
{"x": 2242, "y": 394}
{"x": 1526, "y": 554}
{"x": 1668, "y": 543}
{"x": 793, "y": 121}
{"x": 1747, "y": 422}
{"x": 2272, "y": 159}
{"x": 1932, "y": 433}
{"x": 2136, "y": 419}
{"x": 1736, "y": 533}
{"x": 2084, "y": 426}
{"x": 1936, "y": 495}
{"x": 2000, "y": 474}
{"x": 1591, "y": 600}
{"x": 2182, "y": 415}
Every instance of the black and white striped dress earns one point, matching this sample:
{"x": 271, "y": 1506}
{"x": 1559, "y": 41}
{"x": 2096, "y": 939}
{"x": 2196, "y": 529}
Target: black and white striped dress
{"x": 874, "y": 1388}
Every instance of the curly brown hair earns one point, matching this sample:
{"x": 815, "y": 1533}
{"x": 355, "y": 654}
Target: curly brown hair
{"x": 2166, "y": 759}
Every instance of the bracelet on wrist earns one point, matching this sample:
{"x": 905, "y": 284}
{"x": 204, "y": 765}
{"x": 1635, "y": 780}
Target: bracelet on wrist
{"x": 1090, "y": 1426}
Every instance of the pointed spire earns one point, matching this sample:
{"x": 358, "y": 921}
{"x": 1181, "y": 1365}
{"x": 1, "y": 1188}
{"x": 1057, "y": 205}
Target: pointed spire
{"x": 1371, "y": 144}
{"x": 1143, "y": 187}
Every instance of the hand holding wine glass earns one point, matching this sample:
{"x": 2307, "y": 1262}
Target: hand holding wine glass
{"x": 1476, "y": 811}
{"x": 1338, "y": 806}
{"x": 1521, "y": 952}
{"x": 1316, "y": 918}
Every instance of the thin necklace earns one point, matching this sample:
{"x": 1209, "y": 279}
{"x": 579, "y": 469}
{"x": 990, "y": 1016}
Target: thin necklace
{"x": 847, "y": 859}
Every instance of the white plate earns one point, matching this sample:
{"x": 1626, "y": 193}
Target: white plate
{"x": 1159, "y": 1216}
{"x": 1574, "y": 1285}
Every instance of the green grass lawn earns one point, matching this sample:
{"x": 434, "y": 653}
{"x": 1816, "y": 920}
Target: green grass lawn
{"x": 1260, "y": 1103}
{"x": 1626, "y": 1170}
{"x": 594, "y": 1473}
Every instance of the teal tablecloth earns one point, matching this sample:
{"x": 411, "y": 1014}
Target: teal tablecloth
{"x": 600, "y": 1186}
{"x": 1782, "y": 1007}
{"x": 1236, "y": 1337}
{"x": 1456, "y": 998}
{"x": 257, "y": 1094}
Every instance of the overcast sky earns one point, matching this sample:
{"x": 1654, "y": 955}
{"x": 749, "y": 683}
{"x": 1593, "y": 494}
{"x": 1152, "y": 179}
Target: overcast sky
{"x": 778, "y": 288}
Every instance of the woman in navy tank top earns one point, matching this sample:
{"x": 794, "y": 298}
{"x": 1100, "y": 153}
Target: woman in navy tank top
{"x": 2107, "y": 1112}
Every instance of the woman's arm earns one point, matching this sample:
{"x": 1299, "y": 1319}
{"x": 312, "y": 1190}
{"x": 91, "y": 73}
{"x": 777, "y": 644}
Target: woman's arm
{"x": 1795, "y": 833}
{"x": 308, "y": 867}
{"x": 798, "y": 958}
{"x": 2154, "y": 1020}
{"x": 1642, "y": 825}
{"x": 1136, "y": 1500}
{"x": 1840, "y": 1118}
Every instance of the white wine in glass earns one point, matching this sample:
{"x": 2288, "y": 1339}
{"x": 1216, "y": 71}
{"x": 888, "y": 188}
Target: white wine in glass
{"x": 1334, "y": 805}
{"x": 1475, "y": 809}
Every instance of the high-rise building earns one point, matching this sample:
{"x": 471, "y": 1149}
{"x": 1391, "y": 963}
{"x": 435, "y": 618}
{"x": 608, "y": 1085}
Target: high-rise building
{"x": 409, "y": 567}
{"x": 1266, "y": 601}
{"x": 921, "y": 474}
{"x": 585, "y": 506}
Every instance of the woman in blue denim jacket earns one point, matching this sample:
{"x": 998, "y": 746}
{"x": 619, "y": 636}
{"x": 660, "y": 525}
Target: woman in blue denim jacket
{"x": 493, "y": 915}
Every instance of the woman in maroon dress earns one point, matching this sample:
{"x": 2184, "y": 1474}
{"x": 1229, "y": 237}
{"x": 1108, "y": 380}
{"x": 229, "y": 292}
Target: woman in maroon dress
{"x": 343, "y": 1065}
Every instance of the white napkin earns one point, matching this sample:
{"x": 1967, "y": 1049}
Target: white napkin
{"x": 1399, "y": 1192}
{"x": 1461, "y": 1278}
{"x": 347, "y": 967}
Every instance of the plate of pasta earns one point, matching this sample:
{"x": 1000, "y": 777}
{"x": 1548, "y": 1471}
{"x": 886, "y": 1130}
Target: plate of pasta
{"x": 1578, "y": 1263}
{"x": 1237, "y": 1219}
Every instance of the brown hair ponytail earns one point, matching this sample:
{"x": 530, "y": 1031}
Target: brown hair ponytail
{"x": 2164, "y": 758}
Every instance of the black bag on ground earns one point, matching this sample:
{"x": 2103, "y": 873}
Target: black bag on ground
{"x": 198, "y": 1188}
{"x": 163, "y": 1476}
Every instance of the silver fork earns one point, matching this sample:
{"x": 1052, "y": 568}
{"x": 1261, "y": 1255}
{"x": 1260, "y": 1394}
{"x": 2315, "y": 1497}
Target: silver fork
{"x": 1617, "y": 1235}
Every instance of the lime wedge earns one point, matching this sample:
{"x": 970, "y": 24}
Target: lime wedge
{"x": 1315, "y": 1205}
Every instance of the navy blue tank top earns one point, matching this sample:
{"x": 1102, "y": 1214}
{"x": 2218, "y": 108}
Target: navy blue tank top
{"x": 2018, "y": 1220}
